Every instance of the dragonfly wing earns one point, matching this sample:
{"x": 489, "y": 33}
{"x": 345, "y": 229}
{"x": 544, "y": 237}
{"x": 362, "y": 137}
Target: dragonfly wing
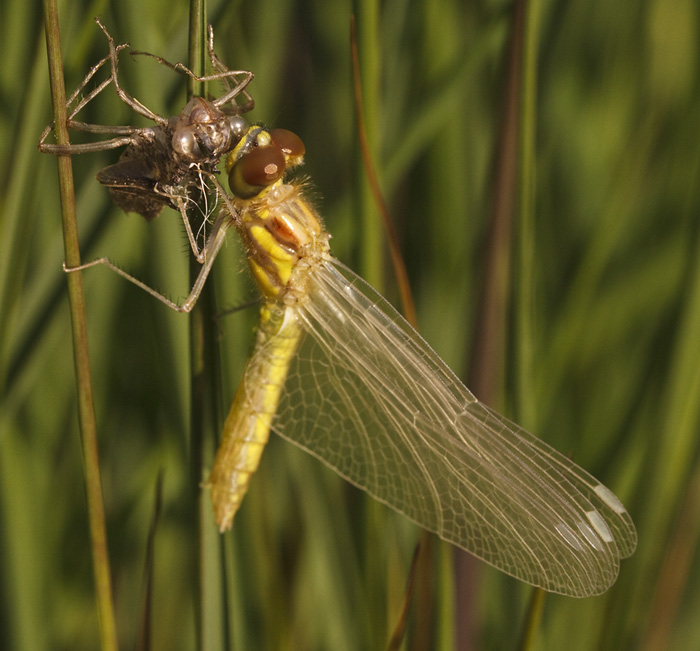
{"x": 370, "y": 398}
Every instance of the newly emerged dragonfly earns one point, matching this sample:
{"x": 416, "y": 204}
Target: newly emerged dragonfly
{"x": 336, "y": 370}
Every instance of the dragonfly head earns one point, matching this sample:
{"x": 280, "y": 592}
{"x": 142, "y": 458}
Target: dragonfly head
{"x": 204, "y": 133}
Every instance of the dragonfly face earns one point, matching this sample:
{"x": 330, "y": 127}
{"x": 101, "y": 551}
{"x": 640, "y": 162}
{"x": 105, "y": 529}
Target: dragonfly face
{"x": 203, "y": 133}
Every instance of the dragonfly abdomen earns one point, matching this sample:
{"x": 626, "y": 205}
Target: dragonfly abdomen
{"x": 247, "y": 426}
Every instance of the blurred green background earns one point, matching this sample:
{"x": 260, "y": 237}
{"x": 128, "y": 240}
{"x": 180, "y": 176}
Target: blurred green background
{"x": 606, "y": 367}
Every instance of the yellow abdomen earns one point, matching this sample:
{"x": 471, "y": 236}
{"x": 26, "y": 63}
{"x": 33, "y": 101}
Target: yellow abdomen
{"x": 247, "y": 427}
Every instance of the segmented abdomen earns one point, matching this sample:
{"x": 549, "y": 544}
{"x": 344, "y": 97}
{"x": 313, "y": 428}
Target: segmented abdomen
{"x": 247, "y": 426}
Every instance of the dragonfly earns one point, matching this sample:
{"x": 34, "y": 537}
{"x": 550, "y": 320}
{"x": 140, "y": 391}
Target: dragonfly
{"x": 338, "y": 371}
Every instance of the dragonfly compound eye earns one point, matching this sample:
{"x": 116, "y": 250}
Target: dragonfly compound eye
{"x": 291, "y": 145}
{"x": 239, "y": 127}
{"x": 256, "y": 170}
{"x": 185, "y": 144}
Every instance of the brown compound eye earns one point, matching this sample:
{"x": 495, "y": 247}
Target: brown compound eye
{"x": 256, "y": 170}
{"x": 289, "y": 142}
{"x": 262, "y": 166}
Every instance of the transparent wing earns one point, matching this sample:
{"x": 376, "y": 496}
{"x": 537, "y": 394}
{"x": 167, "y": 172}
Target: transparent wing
{"x": 370, "y": 398}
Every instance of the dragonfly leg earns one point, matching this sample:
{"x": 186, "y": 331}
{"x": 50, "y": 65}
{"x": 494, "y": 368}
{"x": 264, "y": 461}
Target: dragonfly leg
{"x": 128, "y": 99}
{"x": 209, "y": 253}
